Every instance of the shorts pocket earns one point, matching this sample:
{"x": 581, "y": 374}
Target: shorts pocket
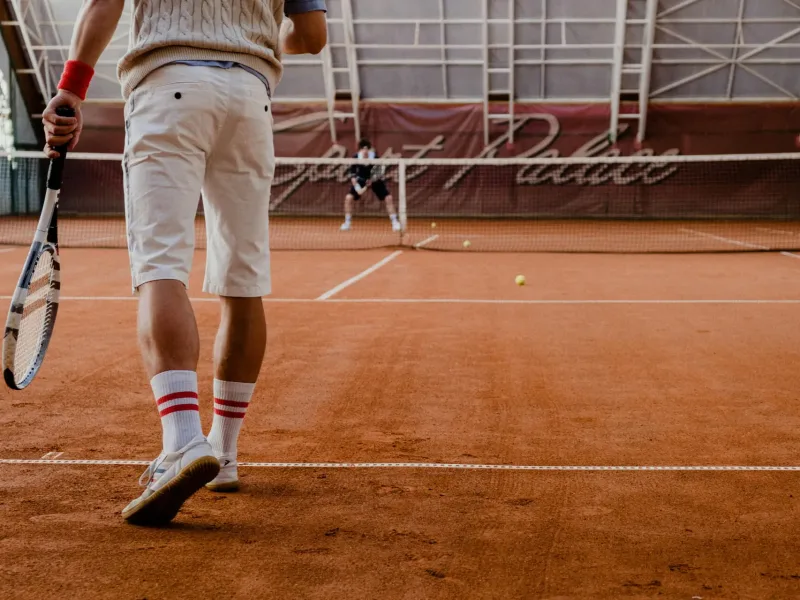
{"x": 172, "y": 118}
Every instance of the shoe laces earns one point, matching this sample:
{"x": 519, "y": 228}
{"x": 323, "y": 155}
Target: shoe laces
{"x": 144, "y": 478}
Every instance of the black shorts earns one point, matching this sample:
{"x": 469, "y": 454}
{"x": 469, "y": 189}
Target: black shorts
{"x": 378, "y": 187}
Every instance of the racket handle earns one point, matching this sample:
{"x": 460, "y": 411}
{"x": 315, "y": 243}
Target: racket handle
{"x": 65, "y": 111}
{"x": 57, "y": 164}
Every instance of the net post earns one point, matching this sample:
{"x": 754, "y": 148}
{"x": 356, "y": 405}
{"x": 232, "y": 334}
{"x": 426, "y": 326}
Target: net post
{"x": 402, "y": 205}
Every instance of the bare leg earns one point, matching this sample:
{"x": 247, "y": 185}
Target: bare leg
{"x": 390, "y": 205}
{"x": 238, "y": 355}
{"x": 241, "y": 340}
{"x": 349, "y": 200}
{"x": 167, "y": 328}
{"x": 170, "y": 349}
{"x": 392, "y": 214}
{"x": 348, "y": 206}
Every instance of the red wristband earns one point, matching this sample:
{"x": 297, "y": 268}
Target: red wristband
{"x": 76, "y": 78}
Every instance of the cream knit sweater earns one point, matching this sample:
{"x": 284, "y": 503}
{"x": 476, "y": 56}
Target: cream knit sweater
{"x": 163, "y": 31}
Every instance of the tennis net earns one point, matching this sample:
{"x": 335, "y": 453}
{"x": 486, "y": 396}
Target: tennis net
{"x": 726, "y": 203}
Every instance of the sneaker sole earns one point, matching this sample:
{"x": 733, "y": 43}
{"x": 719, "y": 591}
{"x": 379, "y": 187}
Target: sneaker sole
{"x": 163, "y": 505}
{"x": 228, "y": 486}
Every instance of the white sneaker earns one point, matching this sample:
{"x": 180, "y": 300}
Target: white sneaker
{"x": 170, "y": 480}
{"x": 395, "y": 225}
{"x": 345, "y": 226}
{"x": 228, "y": 478}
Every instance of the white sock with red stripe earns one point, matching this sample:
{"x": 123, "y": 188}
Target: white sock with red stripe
{"x": 176, "y": 399}
{"x": 230, "y": 405}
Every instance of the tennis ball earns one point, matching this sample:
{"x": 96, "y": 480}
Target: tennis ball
{"x": 433, "y": 225}
{"x": 467, "y": 244}
{"x": 520, "y": 280}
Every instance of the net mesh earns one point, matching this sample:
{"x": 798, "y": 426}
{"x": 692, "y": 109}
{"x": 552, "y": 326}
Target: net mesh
{"x": 631, "y": 204}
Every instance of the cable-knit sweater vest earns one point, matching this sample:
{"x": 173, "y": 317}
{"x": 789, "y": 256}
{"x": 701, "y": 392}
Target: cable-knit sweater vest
{"x": 164, "y": 31}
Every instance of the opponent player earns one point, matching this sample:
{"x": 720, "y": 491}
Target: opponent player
{"x": 198, "y": 89}
{"x": 361, "y": 181}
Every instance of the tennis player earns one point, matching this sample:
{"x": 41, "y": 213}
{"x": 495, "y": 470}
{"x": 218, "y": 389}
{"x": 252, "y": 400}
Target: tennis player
{"x": 361, "y": 181}
{"x": 197, "y": 80}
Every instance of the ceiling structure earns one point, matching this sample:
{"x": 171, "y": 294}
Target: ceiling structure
{"x": 498, "y": 53}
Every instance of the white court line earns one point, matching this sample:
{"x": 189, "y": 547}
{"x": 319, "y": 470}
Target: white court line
{"x": 738, "y": 243}
{"x": 429, "y": 466}
{"x": 3, "y": 250}
{"x": 452, "y": 301}
{"x": 360, "y": 276}
{"x": 427, "y": 241}
{"x": 546, "y": 302}
{"x": 724, "y": 239}
{"x": 52, "y": 455}
{"x": 781, "y": 231}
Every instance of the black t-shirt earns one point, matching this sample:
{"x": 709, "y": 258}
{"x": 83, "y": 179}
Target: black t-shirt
{"x": 361, "y": 172}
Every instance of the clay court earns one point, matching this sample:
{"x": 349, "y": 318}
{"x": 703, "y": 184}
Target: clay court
{"x": 623, "y": 426}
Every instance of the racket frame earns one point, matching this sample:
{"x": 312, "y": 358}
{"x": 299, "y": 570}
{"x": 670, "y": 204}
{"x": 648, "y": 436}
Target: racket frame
{"x": 45, "y": 240}
{"x": 378, "y": 173}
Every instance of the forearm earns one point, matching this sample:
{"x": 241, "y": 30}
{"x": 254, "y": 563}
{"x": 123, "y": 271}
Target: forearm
{"x": 291, "y": 42}
{"x": 94, "y": 29}
{"x": 304, "y": 33}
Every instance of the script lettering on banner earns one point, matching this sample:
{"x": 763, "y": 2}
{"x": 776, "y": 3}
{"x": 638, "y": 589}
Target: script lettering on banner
{"x": 292, "y": 178}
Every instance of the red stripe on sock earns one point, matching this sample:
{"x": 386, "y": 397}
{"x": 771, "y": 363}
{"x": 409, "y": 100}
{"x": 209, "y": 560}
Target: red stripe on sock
{"x": 175, "y": 396}
{"x": 177, "y": 407}
{"x": 231, "y": 403}
{"x": 228, "y": 414}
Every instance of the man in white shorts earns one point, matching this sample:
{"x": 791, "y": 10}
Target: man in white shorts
{"x": 197, "y": 79}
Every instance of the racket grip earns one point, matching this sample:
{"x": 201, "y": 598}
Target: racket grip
{"x": 57, "y": 164}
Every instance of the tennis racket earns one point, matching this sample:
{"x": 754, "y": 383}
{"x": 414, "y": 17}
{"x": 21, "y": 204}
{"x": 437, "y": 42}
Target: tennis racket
{"x": 34, "y": 306}
{"x": 378, "y": 173}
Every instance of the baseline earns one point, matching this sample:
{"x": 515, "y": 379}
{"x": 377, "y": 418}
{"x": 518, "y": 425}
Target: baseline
{"x": 438, "y": 466}
{"x": 510, "y": 302}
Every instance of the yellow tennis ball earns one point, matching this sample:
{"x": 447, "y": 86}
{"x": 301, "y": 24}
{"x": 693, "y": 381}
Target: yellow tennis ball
{"x": 467, "y": 244}
{"x": 433, "y": 225}
{"x": 520, "y": 280}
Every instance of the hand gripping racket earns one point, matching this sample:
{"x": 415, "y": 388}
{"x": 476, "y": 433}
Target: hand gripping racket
{"x": 378, "y": 173}
{"x": 33, "y": 309}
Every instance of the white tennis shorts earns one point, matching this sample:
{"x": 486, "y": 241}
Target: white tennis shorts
{"x": 192, "y": 129}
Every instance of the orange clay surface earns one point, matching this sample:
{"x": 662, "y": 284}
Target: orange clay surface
{"x": 620, "y": 360}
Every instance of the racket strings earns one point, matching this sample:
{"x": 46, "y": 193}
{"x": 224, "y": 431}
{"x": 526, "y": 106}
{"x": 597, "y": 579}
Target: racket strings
{"x": 36, "y": 318}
